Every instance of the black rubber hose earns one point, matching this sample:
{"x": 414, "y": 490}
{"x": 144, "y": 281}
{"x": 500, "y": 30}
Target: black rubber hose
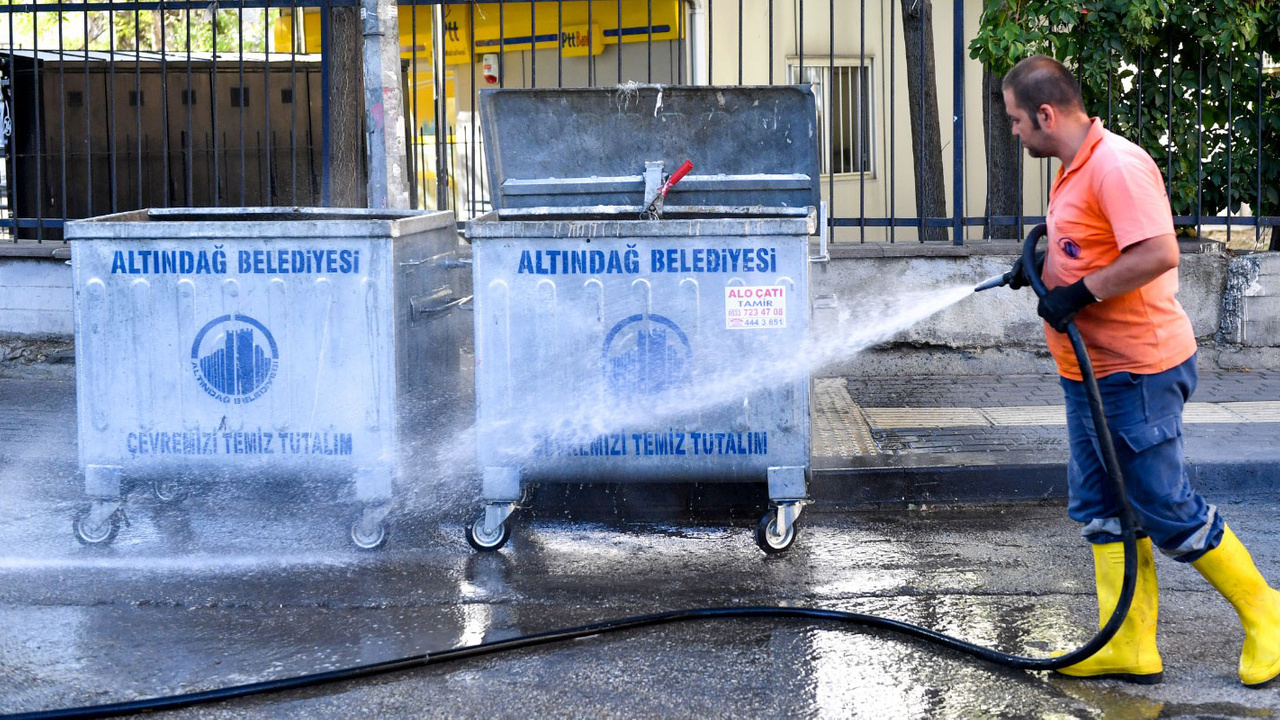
{"x": 1103, "y": 431}
{"x": 1104, "y": 635}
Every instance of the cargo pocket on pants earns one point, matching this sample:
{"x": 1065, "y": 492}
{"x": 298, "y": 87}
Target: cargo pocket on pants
{"x": 1148, "y": 435}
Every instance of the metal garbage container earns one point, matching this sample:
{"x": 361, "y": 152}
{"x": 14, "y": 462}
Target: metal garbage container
{"x": 259, "y": 342}
{"x": 629, "y": 329}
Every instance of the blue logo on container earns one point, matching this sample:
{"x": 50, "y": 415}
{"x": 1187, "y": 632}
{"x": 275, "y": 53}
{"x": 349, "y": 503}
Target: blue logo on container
{"x": 645, "y": 355}
{"x": 230, "y": 359}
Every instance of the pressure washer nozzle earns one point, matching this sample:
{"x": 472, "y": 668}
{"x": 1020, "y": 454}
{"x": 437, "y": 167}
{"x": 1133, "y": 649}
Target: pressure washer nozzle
{"x": 993, "y": 282}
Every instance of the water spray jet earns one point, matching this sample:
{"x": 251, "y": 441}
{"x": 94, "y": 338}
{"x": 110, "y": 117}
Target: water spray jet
{"x": 1103, "y": 636}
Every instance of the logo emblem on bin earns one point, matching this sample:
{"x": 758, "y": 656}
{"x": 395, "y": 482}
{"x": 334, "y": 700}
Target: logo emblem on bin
{"x": 234, "y": 359}
{"x": 645, "y": 355}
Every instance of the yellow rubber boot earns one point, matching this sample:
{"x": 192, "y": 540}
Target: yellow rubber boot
{"x": 1131, "y": 654}
{"x": 1231, "y": 571}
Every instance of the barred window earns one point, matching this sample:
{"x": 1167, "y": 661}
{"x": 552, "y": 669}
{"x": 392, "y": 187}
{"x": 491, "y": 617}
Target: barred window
{"x": 844, "y": 110}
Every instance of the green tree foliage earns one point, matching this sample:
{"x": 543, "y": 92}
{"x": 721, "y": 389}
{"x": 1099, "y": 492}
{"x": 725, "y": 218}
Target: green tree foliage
{"x": 130, "y": 30}
{"x": 1186, "y": 80}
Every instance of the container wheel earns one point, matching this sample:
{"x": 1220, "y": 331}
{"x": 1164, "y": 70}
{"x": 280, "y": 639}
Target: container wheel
{"x": 478, "y": 539}
{"x": 369, "y": 536}
{"x": 767, "y": 536}
{"x": 101, "y": 534}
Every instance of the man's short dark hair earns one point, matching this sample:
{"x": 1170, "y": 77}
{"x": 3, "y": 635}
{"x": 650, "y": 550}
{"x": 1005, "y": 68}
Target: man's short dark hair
{"x": 1041, "y": 80}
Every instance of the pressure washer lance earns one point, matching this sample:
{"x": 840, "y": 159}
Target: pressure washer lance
{"x": 1116, "y": 482}
{"x": 995, "y": 281}
{"x": 1029, "y": 246}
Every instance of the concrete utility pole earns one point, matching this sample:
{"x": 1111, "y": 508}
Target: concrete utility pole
{"x": 440, "y": 81}
{"x": 384, "y": 105}
{"x": 699, "y": 48}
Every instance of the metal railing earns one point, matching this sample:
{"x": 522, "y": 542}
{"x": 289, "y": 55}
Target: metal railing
{"x": 119, "y": 105}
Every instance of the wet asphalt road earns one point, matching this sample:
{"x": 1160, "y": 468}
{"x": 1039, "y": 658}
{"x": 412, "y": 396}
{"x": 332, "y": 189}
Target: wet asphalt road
{"x": 245, "y": 582}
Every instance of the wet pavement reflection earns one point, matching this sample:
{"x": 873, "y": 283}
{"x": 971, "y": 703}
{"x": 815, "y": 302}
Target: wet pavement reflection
{"x": 209, "y": 593}
{"x": 240, "y": 583}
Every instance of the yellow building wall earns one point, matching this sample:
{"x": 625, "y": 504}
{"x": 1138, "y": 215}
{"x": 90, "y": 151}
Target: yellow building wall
{"x": 576, "y": 28}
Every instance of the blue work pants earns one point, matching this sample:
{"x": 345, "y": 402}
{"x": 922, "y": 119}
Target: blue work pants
{"x": 1144, "y": 415}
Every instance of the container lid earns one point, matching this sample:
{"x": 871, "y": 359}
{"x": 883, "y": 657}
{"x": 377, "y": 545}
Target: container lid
{"x": 257, "y": 223}
{"x": 570, "y": 148}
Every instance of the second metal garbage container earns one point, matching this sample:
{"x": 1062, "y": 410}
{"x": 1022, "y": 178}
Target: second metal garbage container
{"x": 251, "y": 343}
{"x": 628, "y": 329}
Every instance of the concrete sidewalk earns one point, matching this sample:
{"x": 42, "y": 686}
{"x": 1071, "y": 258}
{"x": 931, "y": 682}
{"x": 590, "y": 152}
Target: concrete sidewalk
{"x": 982, "y": 438}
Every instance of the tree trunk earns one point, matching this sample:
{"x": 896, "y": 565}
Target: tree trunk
{"x": 926, "y": 136}
{"x": 157, "y": 27}
{"x": 347, "y": 185}
{"x": 1275, "y": 238}
{"x": 1003, "y": 179}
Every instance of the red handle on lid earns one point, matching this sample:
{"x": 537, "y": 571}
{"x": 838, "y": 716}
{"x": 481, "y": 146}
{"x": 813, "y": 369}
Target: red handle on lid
{"x": 680, "y": 172}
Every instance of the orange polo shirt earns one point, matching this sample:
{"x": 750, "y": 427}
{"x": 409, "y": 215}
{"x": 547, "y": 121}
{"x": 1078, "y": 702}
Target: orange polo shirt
{"x": 1111, "y": 197}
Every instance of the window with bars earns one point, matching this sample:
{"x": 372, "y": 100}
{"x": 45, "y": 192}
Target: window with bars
{"x": 844, "y": 100}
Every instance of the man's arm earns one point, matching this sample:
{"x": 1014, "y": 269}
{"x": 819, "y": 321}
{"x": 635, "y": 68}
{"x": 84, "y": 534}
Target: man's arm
{"x": 1138, "y": 264}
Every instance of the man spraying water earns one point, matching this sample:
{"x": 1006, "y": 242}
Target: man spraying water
{"x": 1111, "y": 266}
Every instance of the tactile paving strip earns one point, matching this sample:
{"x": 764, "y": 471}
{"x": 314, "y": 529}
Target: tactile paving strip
{"x": 1209, "y": 413}
{"x": 894, "y": 418}
{"x": 1026, "y": 415}
{"x": 889, "y": 418}
{"x": 839, "y": 429}
{"x": 1261, "y": 412}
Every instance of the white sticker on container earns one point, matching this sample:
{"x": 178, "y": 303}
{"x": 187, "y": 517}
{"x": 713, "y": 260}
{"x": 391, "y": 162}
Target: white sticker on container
{"x": 755, "y": 308}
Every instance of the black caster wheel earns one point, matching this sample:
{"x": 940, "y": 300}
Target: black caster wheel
{"x": 477, "y": 538}
{"x": 768, "y": 538}
{"x": 369, "y": 538}
{"x": 168, "y": 491}
{"x": 101, "y": 534}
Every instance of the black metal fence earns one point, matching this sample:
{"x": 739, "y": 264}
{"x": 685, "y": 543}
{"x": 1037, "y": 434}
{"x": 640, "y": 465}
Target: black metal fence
{"x": 111, "y": 106}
